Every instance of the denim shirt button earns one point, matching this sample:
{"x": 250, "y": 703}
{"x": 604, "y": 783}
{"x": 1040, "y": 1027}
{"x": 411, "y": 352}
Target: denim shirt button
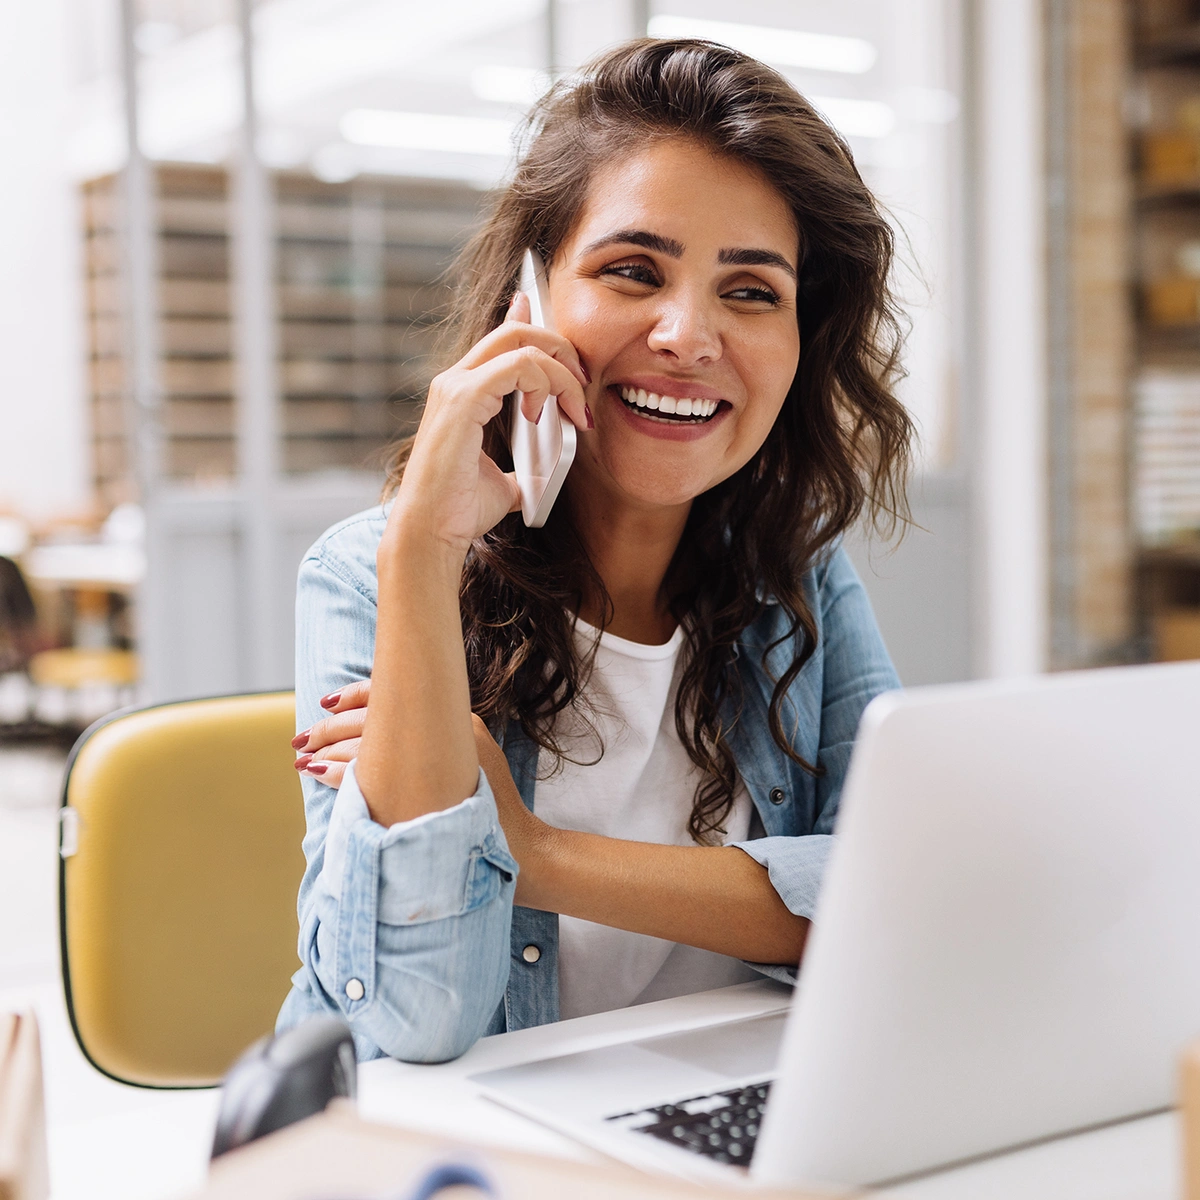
{"x": 777, "y": 796}
{"x": 531, "y": 954}
{"x": 355, "y": 989}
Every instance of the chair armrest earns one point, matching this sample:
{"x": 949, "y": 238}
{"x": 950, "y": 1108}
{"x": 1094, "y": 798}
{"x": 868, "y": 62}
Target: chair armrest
{"x": 1189, "y": 1103}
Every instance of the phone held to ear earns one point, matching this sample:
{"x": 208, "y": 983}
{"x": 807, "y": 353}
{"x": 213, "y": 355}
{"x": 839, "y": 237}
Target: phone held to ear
{"x": 542, "y": 451}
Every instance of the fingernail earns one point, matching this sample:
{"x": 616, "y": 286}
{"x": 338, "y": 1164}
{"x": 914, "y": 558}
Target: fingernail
{"x": 317, "y": 768}
{"x": 539, "y": 416}
{"x": 300, "y": 740}
{"x": 586, "y": 377}
{"x": 302, "y": 762}
{"x": 587, "y": 412}
{"x": 331, "y": 700}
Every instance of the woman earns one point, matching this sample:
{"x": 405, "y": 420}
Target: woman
{"x": 601, "y": 760}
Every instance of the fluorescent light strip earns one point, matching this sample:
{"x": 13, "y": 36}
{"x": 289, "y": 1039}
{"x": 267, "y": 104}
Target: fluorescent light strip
{"x": 856, "y": 118}
{"x": 499, "y": 84}
{"x": 427, "y": 131}
{"x": 787, "y": 47}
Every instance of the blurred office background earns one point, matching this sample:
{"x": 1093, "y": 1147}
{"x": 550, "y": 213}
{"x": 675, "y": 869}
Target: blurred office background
{"x": 224, "y": 234}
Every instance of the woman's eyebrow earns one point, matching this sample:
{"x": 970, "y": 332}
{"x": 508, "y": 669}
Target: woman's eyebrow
{"x": 638, "y": 237}
{"x": 673, "y": 249}
{"x": 755, "y": 258}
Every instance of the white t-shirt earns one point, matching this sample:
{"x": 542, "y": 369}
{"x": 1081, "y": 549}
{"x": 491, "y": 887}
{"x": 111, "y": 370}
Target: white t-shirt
{"x": 641, "y": 789}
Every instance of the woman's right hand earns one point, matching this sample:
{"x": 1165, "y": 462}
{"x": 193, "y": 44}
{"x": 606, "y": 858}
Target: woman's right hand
{"x": 451, "y": 488}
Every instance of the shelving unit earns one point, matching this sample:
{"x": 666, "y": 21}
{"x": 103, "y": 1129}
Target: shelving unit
{"x": 1165, "y": 112}
{"x": 360, "y": 283}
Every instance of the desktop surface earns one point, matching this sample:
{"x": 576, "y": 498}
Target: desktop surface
{"x": 1133, "y": 1160}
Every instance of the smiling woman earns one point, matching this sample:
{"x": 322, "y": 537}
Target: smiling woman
{"x": 601, "y": 760}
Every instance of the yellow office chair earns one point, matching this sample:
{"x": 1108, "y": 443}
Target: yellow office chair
{"x": 180, "y": 864}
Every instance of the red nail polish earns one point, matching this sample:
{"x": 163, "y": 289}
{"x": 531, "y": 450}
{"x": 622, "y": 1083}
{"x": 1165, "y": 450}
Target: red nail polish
{"x": 299, "y": 740}
{"x": 317, "y": 768}
{"x": 539, "y": 416}
{"x": 586, "y": 376}
{"x": 331, "y": 700}
{"x": 591, "y": 421}
{"x": 302, "y": 762}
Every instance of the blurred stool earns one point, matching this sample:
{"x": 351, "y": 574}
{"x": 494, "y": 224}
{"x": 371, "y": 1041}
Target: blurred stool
{"x": 83, "y": 683}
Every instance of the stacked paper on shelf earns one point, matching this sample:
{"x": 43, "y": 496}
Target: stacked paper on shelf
{"x": 1166, "y": 476}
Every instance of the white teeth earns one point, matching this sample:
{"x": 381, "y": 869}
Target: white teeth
{"x": 679, "y": 406}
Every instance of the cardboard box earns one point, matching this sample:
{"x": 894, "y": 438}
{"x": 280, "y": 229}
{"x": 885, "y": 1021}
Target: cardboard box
{"x": 1173, "y": 302}
{"x": 338, "y": 1155}
{"x": 1170, "y": 159}
{"x": 1177, "y": 634}
{"x": 24, "y": 1167}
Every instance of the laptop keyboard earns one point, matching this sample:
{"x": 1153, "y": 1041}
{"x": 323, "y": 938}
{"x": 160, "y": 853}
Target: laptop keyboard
{"x": 722, "y": 1126}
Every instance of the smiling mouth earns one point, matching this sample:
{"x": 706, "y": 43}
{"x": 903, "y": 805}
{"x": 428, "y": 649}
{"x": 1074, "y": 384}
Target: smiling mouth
{"x": 670, "y": 410}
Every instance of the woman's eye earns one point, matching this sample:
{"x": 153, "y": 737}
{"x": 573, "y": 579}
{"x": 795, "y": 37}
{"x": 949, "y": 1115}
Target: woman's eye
{"x": 759, "y": 295}
{"x": 638, "y": 272}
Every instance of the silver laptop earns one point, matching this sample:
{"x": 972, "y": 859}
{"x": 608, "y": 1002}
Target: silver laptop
{"x": 1007, "y": 948}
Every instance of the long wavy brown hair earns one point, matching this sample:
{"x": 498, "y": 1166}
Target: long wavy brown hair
{"x": 839, "y": 446}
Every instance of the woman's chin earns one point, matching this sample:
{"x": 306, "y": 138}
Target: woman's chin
{"x": 646, "y": 490}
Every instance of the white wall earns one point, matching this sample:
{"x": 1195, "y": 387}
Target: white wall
{"x": 44, "y": 468}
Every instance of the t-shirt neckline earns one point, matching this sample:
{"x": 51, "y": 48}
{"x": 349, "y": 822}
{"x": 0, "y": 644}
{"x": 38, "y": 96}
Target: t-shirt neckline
{"x": 640, "y": 650}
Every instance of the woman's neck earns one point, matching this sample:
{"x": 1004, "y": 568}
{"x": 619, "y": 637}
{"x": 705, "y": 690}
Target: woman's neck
{"x": 631, "y": 549}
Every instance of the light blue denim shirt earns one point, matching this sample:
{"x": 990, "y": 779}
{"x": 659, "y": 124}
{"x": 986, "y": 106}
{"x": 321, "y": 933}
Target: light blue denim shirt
{"x": 411, "y": 932}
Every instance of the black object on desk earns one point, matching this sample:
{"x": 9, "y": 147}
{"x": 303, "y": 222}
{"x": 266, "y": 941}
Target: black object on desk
{"x": 284, "y": 1079}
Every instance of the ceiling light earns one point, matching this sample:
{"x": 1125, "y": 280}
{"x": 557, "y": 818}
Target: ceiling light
{"x": 427, "y": 131}
{"x": 509, "y": 85}
{"x": 856, "y": 118}
{"x": 788, "y": 47}
{"x": 335, "y": 163}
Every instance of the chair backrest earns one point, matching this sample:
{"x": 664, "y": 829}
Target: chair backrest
{"x": 181, "y": 860}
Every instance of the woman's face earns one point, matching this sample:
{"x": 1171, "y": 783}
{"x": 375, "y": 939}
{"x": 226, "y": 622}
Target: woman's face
{"x": 678, "y": 288}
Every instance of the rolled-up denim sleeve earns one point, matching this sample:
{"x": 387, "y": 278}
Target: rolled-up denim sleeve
{"x": 856, "y": 668}
{"x": 418, "y": 914}
{"x": 407, "y": 931}
{"x": 795, "y": 867}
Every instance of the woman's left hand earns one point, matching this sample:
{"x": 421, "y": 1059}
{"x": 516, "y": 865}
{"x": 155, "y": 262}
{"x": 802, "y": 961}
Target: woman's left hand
{"x": 333, "y": 742}
{"x": 323, "y": 751}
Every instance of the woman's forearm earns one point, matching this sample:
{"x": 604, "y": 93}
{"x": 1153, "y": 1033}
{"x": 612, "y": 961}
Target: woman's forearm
{"x": 418, "y": 747}
{"x": 717, "y": 898}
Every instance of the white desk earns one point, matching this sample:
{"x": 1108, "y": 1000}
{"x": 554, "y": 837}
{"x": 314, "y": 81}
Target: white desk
{"x": 1137, "y": 1160}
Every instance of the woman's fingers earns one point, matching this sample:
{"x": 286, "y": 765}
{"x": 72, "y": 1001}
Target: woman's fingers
{"x": 536, "y": 375}
{"x": 353, "y": 695}
{"x": 328, "y": 765}
{"x": 516, "y": 332}
{"x": 328, "y": 730}
{"x": 323, "y": 751}
{"x": 330, "y": 774}
{"x": 520, "y": 309}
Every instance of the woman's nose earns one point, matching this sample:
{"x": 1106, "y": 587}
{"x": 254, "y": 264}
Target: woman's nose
{"x": 686, "y": 331}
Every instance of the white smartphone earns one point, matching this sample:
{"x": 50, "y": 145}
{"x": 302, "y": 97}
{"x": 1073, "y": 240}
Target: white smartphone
{"x": 542, "y": 452}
